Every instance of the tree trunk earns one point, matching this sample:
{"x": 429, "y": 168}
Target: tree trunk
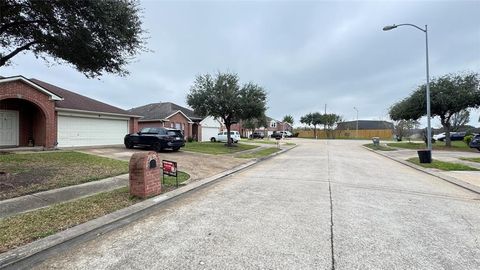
{"x": 228, "y": 125}
{"x": 447, "y": 128}
{"x": 315, "y": 131}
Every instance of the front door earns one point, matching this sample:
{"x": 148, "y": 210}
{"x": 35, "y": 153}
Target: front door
{"x": 8, "y": 128}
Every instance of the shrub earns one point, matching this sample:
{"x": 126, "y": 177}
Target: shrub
{"x": 467, "y": 139}
{"x": 190, "y": 139}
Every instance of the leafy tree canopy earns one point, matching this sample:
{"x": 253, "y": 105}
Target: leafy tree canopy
{"x": 449, "y": 95}
{"x": 222, "y": 97}
{"x": 94, "y": 36}
{"x": 288, "y": 119}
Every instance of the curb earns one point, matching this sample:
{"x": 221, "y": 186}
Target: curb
{"x": 24, "y": 257}
{"x": 447, "y": 178}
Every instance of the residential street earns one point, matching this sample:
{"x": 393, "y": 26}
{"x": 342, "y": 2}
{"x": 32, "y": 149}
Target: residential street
{"x": 278, "y": 215}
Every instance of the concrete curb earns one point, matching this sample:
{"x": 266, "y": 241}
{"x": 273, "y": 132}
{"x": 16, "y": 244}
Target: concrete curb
{"x": 447, "y": 178}
{"x": 26, "y": 256}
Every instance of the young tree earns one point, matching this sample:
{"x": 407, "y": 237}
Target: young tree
{"x": 449, "y": 95}
{"x": 313, "y": 119}
{"x": 403, "y": 128}
{"x": 222, "y": 97}
{"x": 288, "y": 119}
{"x": 306, "y": 119}
{"x": 330, "y": 120}
{"x": 94, "y": 36}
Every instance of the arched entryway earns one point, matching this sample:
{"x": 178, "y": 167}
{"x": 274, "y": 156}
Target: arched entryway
{"x": 22, "y": 123}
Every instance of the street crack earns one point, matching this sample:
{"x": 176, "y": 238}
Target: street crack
{"x": 331, "y": 209}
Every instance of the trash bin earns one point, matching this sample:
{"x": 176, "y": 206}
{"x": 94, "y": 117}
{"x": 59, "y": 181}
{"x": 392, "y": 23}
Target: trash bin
{"x": 376, "y": 141}
{"x": 425, "y": 156}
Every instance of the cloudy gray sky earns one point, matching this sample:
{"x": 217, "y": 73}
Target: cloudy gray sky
{"x": 305, "y": 54}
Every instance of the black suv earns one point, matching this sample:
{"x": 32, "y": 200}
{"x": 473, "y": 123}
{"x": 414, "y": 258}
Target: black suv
{"x": 156, "y": 138}
{"x": 475, "y": 143}
{"x": 257, "y": 135}
{"x": 276, "y": 135}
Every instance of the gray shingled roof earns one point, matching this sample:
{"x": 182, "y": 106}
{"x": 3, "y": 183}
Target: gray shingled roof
{"x": 364, "y": 124}
{"x": 76, "y": 101}
{"x": 159, "y": 111}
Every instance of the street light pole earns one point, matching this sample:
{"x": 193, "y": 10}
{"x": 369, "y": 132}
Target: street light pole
{"x": 355, "y": 108}
{"x": 429, "y": 129}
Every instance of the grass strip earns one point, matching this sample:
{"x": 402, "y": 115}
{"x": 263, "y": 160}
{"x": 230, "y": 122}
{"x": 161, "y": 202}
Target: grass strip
{"x": 260, "y": 141}
{"x": 27, "y": 227}
{"x": 456, "y": 146}
{"x": 24, "y": 228}
{"x": 216, "y": 148}
{"x": 261, "y": 153}
{"x": 442, "y": 165}
{"x": 471, "y": 159}
{"x": 379, "y": 147}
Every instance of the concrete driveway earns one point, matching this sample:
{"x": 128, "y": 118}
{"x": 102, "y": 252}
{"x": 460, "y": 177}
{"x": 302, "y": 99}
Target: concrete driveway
{"x": 198, "y": 165}
{"x": 322, "y": 205}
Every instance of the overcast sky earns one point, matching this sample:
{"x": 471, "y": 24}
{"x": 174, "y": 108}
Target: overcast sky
{"x": 305, "y": 54}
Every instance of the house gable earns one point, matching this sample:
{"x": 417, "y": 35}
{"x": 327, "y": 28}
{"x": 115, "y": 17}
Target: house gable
{"x": 51, "y": 95}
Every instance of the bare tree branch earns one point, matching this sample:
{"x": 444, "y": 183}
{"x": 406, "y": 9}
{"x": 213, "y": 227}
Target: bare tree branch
{"x": 4, "y": 59}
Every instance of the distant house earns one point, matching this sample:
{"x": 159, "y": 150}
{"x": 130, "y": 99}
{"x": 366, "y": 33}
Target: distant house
{"x": 36, "y": 113}
{"x": 170, "y": 115}
{"x": 272, "y": 126}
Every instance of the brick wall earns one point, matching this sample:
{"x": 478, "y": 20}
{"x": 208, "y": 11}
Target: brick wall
{"x": 36, "y": 112}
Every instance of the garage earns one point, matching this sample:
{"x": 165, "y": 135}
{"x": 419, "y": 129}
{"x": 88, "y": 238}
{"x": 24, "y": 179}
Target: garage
{"x": 210, "y": 128}
{"x": 74, "y": 130}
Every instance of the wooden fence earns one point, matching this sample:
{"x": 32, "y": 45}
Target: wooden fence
{"x": 385, "y": 134}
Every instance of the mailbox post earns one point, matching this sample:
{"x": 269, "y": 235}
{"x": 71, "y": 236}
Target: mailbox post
{"x": 144, "y": 175}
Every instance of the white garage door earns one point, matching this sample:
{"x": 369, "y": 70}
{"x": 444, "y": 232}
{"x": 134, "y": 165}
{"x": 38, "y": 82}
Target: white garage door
{"x": 79, "y": 131}
{"x": 209, "y": 132}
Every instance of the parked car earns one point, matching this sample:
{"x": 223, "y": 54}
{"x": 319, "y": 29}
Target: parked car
{"x": 257, "y": 135}
{"x": 286, "y": 133}
{"x": 156, "y": 138}
{"x": 454, "y": 136}
{"x": 475, "y": 143}
{"x": 222, "y": 137}
{"x": 277, "y": 135}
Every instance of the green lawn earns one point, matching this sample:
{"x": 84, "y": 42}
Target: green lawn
{"x": 261, "y": 141}
{"x": 169, "y": 181}
{"x": 27, "y": 227}
{"x": 445, "y": 166}
{"x": 261, "y": 153}
{"x": 34, "y": 172}
{"x": 379, "y": 147}
{"x": 456, "y": 146}
{"x": 472, "y": 159}
{"x": 216, "y": 148}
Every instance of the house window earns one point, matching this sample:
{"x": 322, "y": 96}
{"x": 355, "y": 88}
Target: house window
{"x": 273, "y": 124}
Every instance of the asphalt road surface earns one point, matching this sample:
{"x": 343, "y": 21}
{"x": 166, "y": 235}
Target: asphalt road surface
{"x": 322, "y": 205}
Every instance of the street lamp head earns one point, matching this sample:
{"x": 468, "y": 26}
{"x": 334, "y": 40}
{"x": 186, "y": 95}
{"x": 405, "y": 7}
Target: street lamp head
{"x": 389, "y": 27}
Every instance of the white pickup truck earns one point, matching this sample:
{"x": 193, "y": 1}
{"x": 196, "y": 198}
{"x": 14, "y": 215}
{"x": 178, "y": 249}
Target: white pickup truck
{"x": 222, "y": 137}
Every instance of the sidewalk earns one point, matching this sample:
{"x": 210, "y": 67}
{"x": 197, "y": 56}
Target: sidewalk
{"x": 46, "y": 198}
{"x": 466, "y": 179}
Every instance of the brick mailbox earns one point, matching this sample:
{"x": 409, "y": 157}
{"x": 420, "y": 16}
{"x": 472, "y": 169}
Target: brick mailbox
{"x": 144, "y": 177}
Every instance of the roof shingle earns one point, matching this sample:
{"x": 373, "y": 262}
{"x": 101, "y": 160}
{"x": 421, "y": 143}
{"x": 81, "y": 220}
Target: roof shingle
{"x": 160, "y": 111}
{"x": 76, "y": 101}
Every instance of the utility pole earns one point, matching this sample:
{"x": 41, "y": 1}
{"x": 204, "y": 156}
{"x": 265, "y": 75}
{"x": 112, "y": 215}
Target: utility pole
{"x": 355, "y": 108}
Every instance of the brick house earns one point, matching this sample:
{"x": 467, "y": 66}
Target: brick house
{"x": 170, "y": 115}
{"x": 272, "y": 125}
{"x": 36, "y": 113}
